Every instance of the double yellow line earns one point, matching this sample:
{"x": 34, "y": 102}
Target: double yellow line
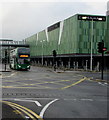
{"x": 23, "y": 109}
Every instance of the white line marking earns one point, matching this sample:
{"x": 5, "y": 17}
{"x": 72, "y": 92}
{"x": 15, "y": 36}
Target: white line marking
{"x": 100, "y": 83}
{"x": 37, "y": 102}
{"x": 41, "y": 98}
{"x": 71, "y": 99}
{"x": 87, "y": 99}
{"x": 27, "y": 117}
{"x": 105, "y": 83}
{"x": 34, "y": 99}
{"x": 45, "y": 108}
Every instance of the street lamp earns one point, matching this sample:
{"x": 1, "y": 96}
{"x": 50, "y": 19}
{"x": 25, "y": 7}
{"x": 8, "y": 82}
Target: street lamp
{"x": 91, "y": 59}
{"x": 42, "y": 50}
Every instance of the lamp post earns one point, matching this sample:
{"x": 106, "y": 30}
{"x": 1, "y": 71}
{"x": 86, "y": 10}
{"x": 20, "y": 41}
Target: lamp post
{"x": 91, "y": 59}
{"x": 5, "y": 58}
{"x": 42, "y": 50}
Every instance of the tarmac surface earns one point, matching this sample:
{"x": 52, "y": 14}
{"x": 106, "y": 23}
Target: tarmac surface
{"x": 43, "y": 93}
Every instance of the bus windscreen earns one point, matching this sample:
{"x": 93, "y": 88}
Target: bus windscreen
{"x": 24, "y": 50}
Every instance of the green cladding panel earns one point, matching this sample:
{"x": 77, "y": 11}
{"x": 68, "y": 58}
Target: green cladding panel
{"x": 69, "y": 42}
{"x": 107, "y": 35}
{"x": 90, "y": 31}
{"x": 70, "y": 36}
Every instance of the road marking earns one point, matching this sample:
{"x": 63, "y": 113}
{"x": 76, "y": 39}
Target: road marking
{"x": 45, "y": 108}
{"x": 37, "y": 102}
{"x": 82, "y": 99}
{"x": 74, "y": 83}
{"x": 71, "y": 99}
{"x": 27, "y": 117}
{"x": 41, "y": 98}
{"x": 19, "y": 108}
{"x": 86, "y": 99}
{"x": 9, "y": 75}
{"x": 29, "y": 98}
{"x": 17, "y": 112}
{"x": 101, "y": 83}
{"x": 7, "y": 86}
{"x": 105, "y": 83}
{"x": 30, "y": 87}
{"x": 27, "y": 111}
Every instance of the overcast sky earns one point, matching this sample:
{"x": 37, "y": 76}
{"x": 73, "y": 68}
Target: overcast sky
{"x": 22, "y": 18}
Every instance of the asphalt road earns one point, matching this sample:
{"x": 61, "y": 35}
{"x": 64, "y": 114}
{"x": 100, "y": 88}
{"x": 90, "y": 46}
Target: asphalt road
{"x": 44, "y": 94}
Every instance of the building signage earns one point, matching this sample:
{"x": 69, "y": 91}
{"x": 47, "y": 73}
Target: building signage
{"x": 90, "y": 18}
{"x": 53, "y": 26}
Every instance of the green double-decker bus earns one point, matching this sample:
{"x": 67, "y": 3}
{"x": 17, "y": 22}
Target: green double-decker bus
{"x": 20, "y": 58}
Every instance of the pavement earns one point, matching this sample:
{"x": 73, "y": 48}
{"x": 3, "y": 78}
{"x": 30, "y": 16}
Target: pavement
{"x": 91, "y": 75}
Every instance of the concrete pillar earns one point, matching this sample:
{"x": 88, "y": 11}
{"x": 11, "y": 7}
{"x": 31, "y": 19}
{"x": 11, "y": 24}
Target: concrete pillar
{"x": 74, "y": 65}
{"x": 45, "y": 63}
{"x": 56, "y": 64}
{"x": 86, "y": 64}
{"x": 69, "y": 64}
{"x": 98, "y": 66}
{"x": 38, "y": 62}
{"x": 62, "y": 64}
{"x": 50, "y": 63}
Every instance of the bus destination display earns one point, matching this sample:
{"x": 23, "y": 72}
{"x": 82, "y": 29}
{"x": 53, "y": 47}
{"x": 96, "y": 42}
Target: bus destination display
{"x": 24, "y": 56}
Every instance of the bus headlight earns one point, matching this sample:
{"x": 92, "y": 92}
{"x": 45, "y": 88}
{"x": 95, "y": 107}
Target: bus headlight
{"x": 19, "y": 66}
{"x": 28, "y": 66}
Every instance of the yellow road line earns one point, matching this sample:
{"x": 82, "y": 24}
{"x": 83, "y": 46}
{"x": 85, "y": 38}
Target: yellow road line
{"x": 9, "y": 75}
{"x": 43, "y": 82}
{"x": 31, "y": 87}
{"x": 74, "y": 83}
{"x": 7, "y": 86}
{"x": 59, "y": 82}
{"x": 22, "y": 108}
{"x": 17, "y": 110}
{"x": 25, "y": 86}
